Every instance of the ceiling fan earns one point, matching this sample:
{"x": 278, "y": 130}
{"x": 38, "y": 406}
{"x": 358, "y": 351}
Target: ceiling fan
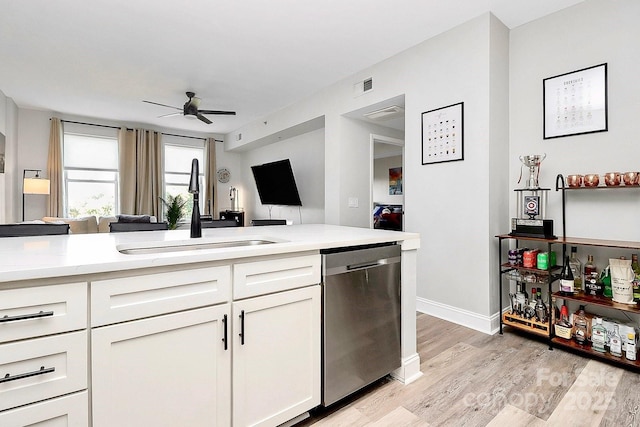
{"x": 190, "y": 109}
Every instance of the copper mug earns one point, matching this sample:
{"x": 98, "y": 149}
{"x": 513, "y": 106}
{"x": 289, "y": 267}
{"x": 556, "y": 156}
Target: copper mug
{"x": 591, "y": 180}
{"x": 574, "y": 181}
{"x": 612, "y": 178}
{"x": 631, "y": 178}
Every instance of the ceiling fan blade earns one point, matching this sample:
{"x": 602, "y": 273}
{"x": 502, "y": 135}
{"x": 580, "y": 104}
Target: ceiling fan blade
{"x": 162, "y": 105}
{"x": 227, "y": 113}
{"x": 204, "y": 119}
{"x": 170, "y": 114}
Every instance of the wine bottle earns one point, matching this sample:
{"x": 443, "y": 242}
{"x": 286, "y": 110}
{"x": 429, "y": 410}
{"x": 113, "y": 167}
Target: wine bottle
{"x": 566, "y": 278}
{"x": 636, "y": 281}
{"x": 541, "y": 308}
{"x": 576, "y": 269}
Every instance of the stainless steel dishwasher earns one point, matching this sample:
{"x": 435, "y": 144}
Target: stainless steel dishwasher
{"x": 361, "y": 318}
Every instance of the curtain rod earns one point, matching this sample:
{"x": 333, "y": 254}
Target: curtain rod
{"x": 116, "y": 127}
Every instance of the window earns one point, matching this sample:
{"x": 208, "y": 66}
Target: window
{"x": 90, "y": 164}
{"x": 178, "y": 155}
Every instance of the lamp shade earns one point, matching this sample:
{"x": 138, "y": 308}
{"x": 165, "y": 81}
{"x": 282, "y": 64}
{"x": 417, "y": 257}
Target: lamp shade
{"x": 36, "y": 186}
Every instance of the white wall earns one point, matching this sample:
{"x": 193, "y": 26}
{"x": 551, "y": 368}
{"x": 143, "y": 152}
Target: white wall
{"x": 12, "y": 176}
{"x": 33, "y": 150}
{"x": 306, "y": 153}
{"x": 584, "y": 35}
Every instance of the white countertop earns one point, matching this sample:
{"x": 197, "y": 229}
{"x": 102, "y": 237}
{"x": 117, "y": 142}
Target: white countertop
{"x": 23, "y": 258}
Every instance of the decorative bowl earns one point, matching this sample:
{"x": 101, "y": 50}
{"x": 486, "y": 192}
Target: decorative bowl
{"x": 612, "y": 178}
{"x": 574, "y": 181}
{"x": 631, "y": 178}
{"x": 591, "y": 180}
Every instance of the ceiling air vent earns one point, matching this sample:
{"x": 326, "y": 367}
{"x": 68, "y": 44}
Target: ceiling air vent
{"x": 363, "y": 86}
{"x": 385, "y": 113}
{"x": 367, "y": 84}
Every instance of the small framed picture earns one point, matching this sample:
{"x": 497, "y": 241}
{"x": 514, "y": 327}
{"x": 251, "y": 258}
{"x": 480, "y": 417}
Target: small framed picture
{"x": 442, "y": 134}
{"x": 575, "y": 103}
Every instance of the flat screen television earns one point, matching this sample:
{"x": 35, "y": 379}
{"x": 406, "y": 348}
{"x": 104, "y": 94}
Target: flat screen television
{"x": 276, "y": 183}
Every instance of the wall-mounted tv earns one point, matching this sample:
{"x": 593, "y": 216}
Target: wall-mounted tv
{"x": 276, "y": 183}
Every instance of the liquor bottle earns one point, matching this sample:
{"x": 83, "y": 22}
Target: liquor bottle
{"x": 630, "y": 352}
{"x": 590, "y": 273}
{"x": 598, "y": 336}
{"x": 605, "y": 277}
{"x": 615, "y": 344}
{"x": 636, "y": 281}
{"x": 576, "y": 269}
{"x": 566, "y": 278}
{"x": 541, "y": 308}
{"x": 521, "y": 299}
{"x": 532, "y": 300}
{"x": 580, "y": 325}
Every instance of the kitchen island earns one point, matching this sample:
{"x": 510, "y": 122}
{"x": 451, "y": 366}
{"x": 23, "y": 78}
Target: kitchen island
{"x": 155, "y": 328}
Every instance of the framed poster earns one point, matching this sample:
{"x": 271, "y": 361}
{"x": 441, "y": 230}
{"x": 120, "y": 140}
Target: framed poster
{"x": 395, "y": 181}
{"x": 575, "y": 103}
{"x": 442, "y": 134}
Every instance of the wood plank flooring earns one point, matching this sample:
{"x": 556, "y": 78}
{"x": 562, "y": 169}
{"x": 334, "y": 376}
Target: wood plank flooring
{"x": 474, "y": 379}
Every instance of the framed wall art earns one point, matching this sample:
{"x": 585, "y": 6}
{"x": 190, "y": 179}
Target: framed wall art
{"x": 575, "y": 103}
{"x": 395, "y": 181}
{"x": 442, "y": 134}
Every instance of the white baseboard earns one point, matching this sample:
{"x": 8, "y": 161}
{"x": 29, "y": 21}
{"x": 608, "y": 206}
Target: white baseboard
{"x": 486, "y": 324}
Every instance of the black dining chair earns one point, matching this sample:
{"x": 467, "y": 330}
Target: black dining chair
{"x": 121, "y": 227}
{"x": 219, "y": 223}
{"x": 20, "y": 230}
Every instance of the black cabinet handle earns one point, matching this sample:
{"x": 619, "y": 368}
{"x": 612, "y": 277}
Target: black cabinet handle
{"x": 26, "y": 316}
{"x": 41, "y": 371}
{"x": 224, "y": 337}
{"x": 242, "y": 327}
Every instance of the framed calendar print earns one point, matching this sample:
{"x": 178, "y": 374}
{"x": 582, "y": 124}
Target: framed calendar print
{"x": 442, "y": 134}
{"x": 575, "y": 103}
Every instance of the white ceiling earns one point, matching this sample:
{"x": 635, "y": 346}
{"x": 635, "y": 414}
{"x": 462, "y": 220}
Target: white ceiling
{"x": 101, "y": 58}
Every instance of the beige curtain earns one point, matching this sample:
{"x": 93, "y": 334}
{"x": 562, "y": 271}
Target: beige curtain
{"x": 140, "y": 172}
{"x": 54, "y": 169}
{"x": 127, "y": 169}
{"x": 211, "y": 176}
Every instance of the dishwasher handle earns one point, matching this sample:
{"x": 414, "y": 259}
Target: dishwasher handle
{"x": 364, "y": 265}
{"x": 349, "y": 268}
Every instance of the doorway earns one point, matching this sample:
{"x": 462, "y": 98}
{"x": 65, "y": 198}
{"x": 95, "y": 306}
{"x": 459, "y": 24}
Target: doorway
{"x": 386, "y": 182}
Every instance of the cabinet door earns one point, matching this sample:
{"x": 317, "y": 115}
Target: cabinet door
{"x": 67, "y": 411}
{"x": 171, "y": 370}
{"x": 276, "y": 357}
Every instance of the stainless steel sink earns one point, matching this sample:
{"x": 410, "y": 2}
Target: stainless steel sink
{"x": 166, "y": 247}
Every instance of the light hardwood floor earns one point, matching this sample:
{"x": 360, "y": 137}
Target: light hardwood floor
{"x": 473, "y": 379}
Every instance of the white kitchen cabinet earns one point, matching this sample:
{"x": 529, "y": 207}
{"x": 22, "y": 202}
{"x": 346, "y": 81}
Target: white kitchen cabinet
{"x": 67, "y": 411}
{"x": 170, "y": 370}
{"x": 276, "y": 356}
{"x": 40, "y": 358}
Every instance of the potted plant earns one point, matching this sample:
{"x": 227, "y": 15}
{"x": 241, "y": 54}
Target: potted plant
{"x": 175, "y": 210}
